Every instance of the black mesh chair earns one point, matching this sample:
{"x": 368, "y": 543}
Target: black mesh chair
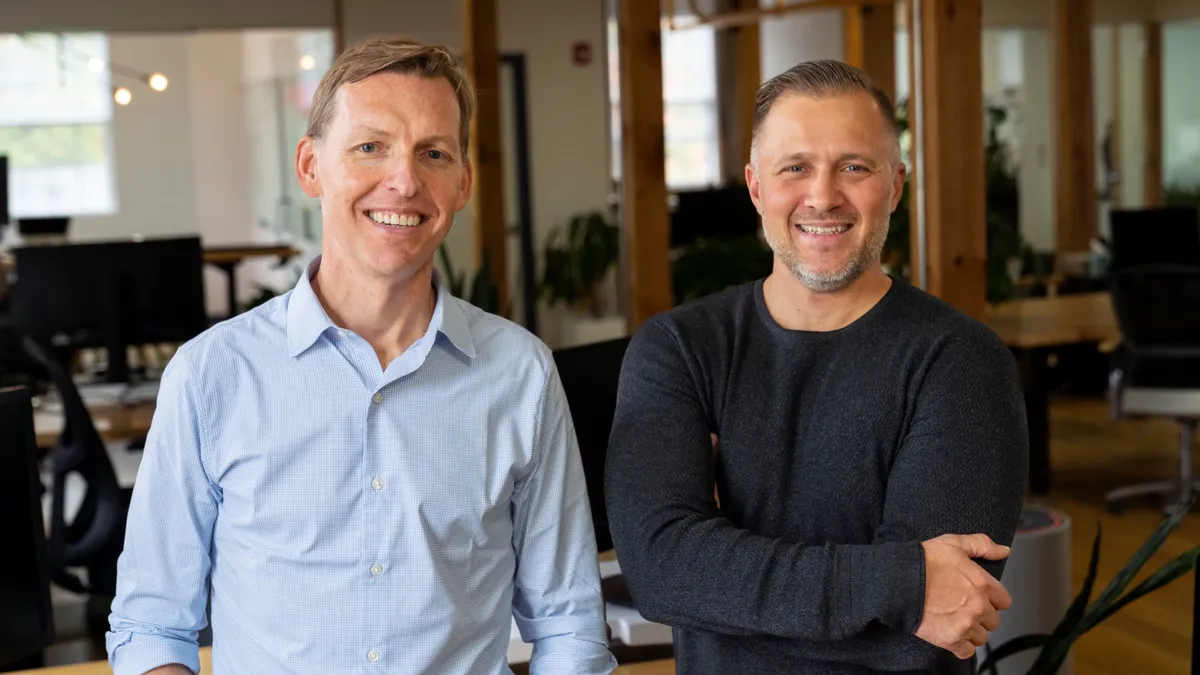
{"x": 1157, "y": 372}
{"x": 95, "y": 537}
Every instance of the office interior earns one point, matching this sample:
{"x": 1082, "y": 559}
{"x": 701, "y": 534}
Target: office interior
{"x": 147, "y": 193}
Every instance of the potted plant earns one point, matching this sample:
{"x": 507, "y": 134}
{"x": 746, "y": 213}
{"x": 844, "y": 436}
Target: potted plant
{"x": 578, "y": 258}
{"x": 578, "y": 261}
{"x": 1081, "y": 617}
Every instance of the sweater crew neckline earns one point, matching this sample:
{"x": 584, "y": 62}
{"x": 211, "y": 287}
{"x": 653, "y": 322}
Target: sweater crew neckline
{"x": 859, "y": 324}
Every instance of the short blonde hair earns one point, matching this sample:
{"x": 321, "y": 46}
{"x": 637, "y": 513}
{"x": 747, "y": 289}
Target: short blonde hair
{"x": 393, "y": 55}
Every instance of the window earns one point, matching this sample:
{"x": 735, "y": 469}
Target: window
{"x": 690, "y": 114}
{"x": 55, "y": 113}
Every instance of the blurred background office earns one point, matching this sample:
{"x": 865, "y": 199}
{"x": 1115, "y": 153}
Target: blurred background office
{"x": 147, "y": 192}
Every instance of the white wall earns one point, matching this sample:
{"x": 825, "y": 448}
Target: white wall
{"x": 1035, "y": 178}
{"x": 791, "y": 38}
{"x": 1181, "y": 104}
{"x": 152, "y": 146}
{"x": 1132, "y": 116}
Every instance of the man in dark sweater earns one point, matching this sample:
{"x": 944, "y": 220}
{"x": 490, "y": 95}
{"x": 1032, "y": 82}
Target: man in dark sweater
{"x": 866, "y": 441}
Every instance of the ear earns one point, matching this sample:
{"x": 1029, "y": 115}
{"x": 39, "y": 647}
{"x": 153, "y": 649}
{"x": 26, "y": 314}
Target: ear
{"x": 898, "y": 185}
{"x": 306, "y": 167}
{"x": 752, "y": 185}
{"x": 468, "y": 182}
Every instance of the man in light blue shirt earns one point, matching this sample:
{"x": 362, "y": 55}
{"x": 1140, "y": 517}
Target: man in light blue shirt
{"x": 371, "y": 475}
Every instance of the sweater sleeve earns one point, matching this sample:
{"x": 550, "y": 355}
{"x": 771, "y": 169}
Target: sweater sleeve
{"x": 686, "y": 565}
{"x": 963, "y": 463}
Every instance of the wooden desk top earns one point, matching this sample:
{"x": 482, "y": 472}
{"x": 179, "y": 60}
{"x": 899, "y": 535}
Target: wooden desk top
{"x": 1029, "y": 323}
{"x": 113, "y": 422}
{"x": 666, "y": 667}
{"x": 233, "y": 254}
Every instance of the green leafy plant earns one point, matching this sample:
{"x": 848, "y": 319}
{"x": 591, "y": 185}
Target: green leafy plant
{"x": 1082, "y": 617}
{"x": 577, "y": 259}
{"x": 711, "y": 265}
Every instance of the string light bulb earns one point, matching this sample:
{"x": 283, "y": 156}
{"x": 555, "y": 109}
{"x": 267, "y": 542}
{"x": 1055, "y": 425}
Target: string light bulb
{"x": 158, "y": 82}
{"x": 307, "y": 62}
{"x": 122, "y": 96}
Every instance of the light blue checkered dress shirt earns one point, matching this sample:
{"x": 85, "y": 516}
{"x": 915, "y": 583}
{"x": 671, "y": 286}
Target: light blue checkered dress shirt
{"x": 358, "y": 520}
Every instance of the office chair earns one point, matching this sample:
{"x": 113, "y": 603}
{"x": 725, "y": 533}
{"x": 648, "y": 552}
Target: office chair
{"x": 95, "y": 537}
{"x": 1157, "y": 373}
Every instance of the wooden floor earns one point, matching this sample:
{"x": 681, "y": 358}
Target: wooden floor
{"x": 1089, "y": 455}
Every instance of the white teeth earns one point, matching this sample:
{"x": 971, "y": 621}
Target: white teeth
{"x": 395, "y": 219}
{"x": 816, "y": 229}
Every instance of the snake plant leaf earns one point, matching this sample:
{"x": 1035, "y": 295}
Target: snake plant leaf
{"x": 1135, "y": 564}
{"x": 1165, "y": 575}
{"x": 1014, "y": 646}
{"x": 1076, "y": 611}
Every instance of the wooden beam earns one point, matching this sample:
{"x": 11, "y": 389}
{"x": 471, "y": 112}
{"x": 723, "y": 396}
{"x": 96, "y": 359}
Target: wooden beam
{"x": 1075, "y": 204}
{"x": 869, "y": 43}
{"x": 644, "y": 207}
{"x": 482, "y": 57}
{"x": 339, "y": 27}
{"x": 748, "y": 76}
{"x": 1114, "y": 143}
{"x": 1152, "y": 76}
{"x": 916, "y": 243}
{"x": 952, "y": 103}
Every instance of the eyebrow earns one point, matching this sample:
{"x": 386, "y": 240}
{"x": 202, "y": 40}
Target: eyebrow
{"x": 847, "y": 157}
{"x": 374, "y": 131}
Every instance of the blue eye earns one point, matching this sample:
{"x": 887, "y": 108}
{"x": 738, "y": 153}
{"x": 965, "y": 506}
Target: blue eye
{"x": 368, "y": 147}
{"x": 436, "y": 154}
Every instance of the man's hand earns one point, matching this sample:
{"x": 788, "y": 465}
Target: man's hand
{"x": 962, "y": 600}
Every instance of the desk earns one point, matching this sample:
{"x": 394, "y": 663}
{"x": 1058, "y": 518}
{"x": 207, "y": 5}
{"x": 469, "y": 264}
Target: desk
{"x": 1032, "y": 328}
{"x": 113, "y": 422}
{"x": 227, "y": 258}
{"x": 666, "y": 667}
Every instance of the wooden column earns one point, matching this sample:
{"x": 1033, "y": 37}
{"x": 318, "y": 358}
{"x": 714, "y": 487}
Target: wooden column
{"x": 869, "y": 43}
{"x": 1152, "y": 76}
{"x": 748, "y": 76}
{"x": 1075, "y": 202}
{"x": 952, "y": 151}
{"x": 482, "y": 56}
{"x": 644, "y": 208}
{"x": 339, "y": 27}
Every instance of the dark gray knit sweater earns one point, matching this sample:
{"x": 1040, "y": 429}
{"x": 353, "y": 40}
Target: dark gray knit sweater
{"x": 839, "y": 453}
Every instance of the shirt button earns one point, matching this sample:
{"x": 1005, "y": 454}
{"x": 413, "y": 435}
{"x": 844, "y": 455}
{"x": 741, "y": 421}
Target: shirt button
{"x": 378, "y": 397}
{"x": 372, "y": 656}
{"x": 376, "y": 569}
{"x": 377, "y": 483}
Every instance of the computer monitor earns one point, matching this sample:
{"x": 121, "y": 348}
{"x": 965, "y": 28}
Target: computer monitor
{"x": 53, "y": 226}
{"x": 26, "y": 616}
{"x": 589, "y": 375}
{"x": 111, "y": 295}
{"x": 1166, "y": 235}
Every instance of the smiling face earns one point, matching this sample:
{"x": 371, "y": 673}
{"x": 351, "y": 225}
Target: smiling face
{"x": 825, "y": 179}
{"x": 390, "y": 174}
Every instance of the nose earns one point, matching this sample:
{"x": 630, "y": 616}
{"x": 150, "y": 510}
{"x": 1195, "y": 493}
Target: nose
{"x": 823, "y": 192}
{"x": 403, "y": 177}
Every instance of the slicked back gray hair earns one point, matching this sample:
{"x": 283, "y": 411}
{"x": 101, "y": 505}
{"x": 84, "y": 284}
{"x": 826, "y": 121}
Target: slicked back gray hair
{"x": 821, "y": 79}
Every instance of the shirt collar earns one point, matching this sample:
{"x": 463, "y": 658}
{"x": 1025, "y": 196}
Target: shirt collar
{"x": 307, "y": 319}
